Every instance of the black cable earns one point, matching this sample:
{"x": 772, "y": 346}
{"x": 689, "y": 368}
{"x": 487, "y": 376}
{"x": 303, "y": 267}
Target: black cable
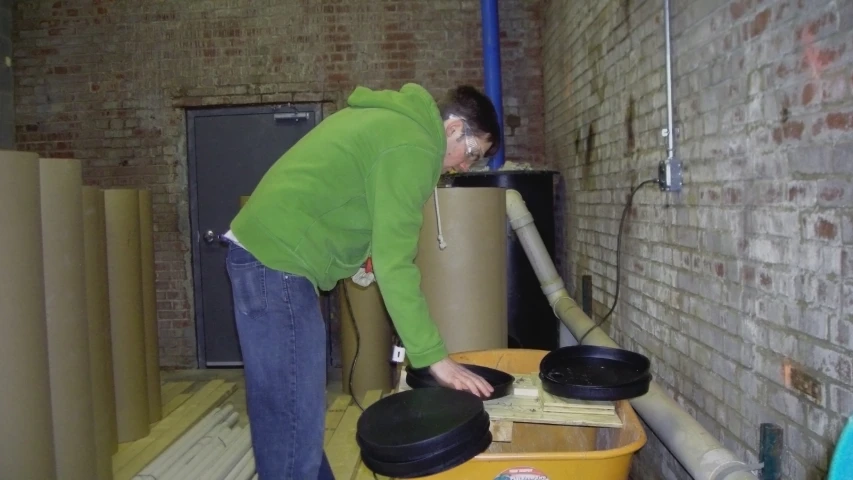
{"x": 357, "y": 345}
{"x": 619, "y": 255}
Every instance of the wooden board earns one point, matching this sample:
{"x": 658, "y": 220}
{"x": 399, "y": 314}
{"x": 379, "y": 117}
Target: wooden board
{"x": 130, "y": 460}
{"x": 501, "y": 430}
{"x": 526, "y": 386}
{"x": 175, "y": 403}
{"x": 529, "y": 410}
{"x": 553, "y": 404}
{"x": 170, "y": 390}
{"x": 342, "y": 450}
{"x": 334, "y": 414}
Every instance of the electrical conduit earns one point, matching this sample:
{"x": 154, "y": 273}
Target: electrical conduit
{"x": 492, "y": 68}
{"x": 694, "y": 447}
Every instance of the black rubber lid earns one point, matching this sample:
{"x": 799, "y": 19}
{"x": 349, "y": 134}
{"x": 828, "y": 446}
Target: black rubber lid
{"x": 588, "y": 372}
{"x": 416, "y": 423}
{"x": 500, "y": 381}
{"x": 464, "y": 433}
{"x": 433, "y": 464}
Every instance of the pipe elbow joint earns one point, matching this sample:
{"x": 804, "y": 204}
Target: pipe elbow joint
{"x": 516, "y": 210}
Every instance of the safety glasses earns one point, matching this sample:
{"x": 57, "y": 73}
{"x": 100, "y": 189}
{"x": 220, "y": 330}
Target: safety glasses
{"x": 473, "y": 152}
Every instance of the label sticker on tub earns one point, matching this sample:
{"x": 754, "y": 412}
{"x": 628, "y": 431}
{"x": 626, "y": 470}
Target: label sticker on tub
{"x": 523, "y": 473}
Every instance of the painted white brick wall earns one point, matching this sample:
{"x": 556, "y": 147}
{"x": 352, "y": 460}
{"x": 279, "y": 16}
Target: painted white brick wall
{"x": 750, "y": 268}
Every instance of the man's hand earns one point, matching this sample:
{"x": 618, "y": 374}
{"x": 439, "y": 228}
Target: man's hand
{"x": 448, "y": 373}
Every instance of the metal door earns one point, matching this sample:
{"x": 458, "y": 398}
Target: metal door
{"x": 229, "y": 150}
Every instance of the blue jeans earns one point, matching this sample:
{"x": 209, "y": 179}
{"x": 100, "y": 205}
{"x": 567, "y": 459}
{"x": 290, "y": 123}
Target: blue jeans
{"x": 283, "y": 340}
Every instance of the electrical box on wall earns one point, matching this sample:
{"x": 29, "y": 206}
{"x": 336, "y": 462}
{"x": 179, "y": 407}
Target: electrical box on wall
{"x": 669, "y": 175}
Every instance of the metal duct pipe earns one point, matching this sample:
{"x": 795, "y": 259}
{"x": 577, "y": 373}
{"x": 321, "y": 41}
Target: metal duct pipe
{"x": 492, "y": 68}
{"x": 694, "y": 447}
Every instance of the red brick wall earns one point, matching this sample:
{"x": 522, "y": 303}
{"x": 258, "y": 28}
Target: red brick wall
{"x": 747, "y": 274}
{"x": 105, "y": 82}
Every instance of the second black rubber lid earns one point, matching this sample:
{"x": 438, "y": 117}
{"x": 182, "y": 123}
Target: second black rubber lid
{"x": 589, "y": 372}
{"x": 415, "y": 423}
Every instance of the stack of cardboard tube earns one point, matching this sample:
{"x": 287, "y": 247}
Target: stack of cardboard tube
{"x": 78, "y": 325}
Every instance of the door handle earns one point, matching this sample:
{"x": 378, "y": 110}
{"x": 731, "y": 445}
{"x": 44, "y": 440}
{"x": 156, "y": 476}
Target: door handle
{"x": 209, "y": 237}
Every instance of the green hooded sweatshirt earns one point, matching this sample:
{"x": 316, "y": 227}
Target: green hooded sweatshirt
{"x": 354, "y": 187}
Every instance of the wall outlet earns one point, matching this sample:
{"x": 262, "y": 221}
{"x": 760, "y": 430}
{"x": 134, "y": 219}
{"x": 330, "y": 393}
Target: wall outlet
{"x": 669, "y": 175}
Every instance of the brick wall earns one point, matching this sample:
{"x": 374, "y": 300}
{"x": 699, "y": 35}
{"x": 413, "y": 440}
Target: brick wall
{"x": 106, "y": 81}
{"x": 7, "y": 110}
{"x": 739, "y": 287}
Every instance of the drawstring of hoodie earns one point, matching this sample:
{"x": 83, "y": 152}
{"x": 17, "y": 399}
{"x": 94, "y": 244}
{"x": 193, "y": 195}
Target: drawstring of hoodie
{"x": 441, "y": 243}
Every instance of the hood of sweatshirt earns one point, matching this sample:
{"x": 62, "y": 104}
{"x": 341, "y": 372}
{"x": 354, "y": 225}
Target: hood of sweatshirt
{"x": 412, "y": 100}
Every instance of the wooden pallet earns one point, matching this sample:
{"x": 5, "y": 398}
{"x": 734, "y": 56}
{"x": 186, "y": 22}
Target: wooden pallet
{"x": 180, "y": 412}
{"x": 530, "y": 404}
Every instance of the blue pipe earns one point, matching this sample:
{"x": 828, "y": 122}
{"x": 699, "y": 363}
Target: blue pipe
{"x": 492, "y": 68}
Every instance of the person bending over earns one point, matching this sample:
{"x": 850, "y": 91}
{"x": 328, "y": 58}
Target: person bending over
{"x": 353, "y": 188}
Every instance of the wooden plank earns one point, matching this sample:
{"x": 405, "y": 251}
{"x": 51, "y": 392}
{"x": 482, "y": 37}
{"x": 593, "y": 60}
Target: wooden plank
{"x": 170, "y": 390}
{"x": 125, "y": 455}
{"x": 175, "y": 403}
{"x": 172, "y": 427}
{"x": 334, "y": 414}
{"x": 551, "y": 403}
{"x": 526, "y": 385}
{"x": 342, "y": 450}
{"x": 529, "y": 410}
{"x": 362, "y": 472}
{"x": 501, "y": 430}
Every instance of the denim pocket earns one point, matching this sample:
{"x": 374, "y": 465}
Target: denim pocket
{"x": 250, "y": 290}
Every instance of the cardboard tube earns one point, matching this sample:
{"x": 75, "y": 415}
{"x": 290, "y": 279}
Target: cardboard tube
{"x": 126, "y": 313}
{"x": 67, "y": 322}
{"x": 373, "y": 368}
{"x": 466, "y": 283}
{"x": 100, "y": 353}
{"x": 26, "y": 436}
{"x": 149, "y": 306}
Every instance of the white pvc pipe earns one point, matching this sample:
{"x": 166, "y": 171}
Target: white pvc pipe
{"x": 232, "y": 456}
{"x": 205, "y": 460}
{"x": 208, "y": 471}
{"x": 163, "y": 462}
{"x": 218, "y": 430}
{"x": 199, "y": 452}
{"x": 244, "y": 463}
{"x": 248, "y": 472}
{"x": 696, "y": 449}
{"x": 179, "y": 468}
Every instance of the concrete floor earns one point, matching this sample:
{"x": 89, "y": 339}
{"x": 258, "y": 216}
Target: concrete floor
{"x": 235, "y": 375}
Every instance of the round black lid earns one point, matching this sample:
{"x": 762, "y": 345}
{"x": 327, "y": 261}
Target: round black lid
{"x": 500, "y": 381}
{"x": 591, "y": 372}
{"x": 450, "y": 440}
{"x": 433, "y": 464}
{"x": 415, "y": 418}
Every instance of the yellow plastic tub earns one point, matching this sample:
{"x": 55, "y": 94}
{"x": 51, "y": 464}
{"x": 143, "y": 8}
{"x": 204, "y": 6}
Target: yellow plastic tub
{"x": 550, "y": 452}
